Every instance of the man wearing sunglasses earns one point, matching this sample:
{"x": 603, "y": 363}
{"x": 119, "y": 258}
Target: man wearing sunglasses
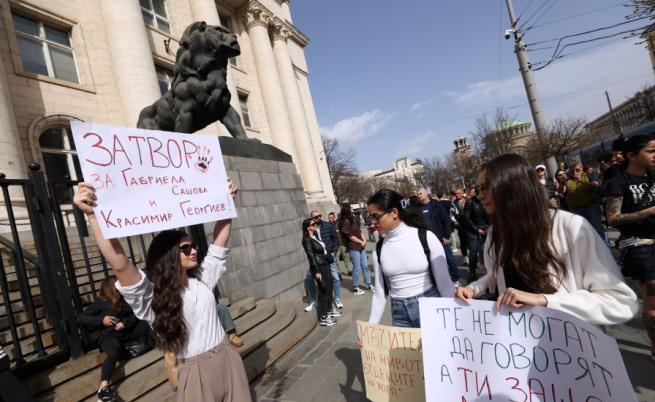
{"x": 327, "y": 233}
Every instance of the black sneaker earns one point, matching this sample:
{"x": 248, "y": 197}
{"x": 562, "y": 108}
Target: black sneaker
{"x": 107, "y": 394}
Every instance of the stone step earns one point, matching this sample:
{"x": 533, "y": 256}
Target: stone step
{"x": 264, "y": 310}
{"x": 242, "y": 307}
{"x": 274, "y": 348}
{"x": 161, "y": 393}
{"x": 284, "y": 315}
{"x": 139, "y": 382}
{"x": 85, "y": 385}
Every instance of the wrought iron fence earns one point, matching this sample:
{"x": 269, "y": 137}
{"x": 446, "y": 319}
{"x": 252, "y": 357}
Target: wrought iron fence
{"x": 50, "y": 269}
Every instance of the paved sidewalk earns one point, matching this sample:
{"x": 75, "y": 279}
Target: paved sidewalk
{"x": 326, "y": 366}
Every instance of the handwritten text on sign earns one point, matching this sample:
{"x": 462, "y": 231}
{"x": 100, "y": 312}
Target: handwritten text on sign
{"x": 391, "y": 358}
{"x": 472, "y": 353}
{"x": 147, "y": 180}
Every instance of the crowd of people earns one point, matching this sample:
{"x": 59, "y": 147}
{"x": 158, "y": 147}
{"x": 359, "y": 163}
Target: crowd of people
{"x": 527, "y": 240}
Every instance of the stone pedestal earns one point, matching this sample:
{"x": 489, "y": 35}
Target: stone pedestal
{"x": 266, "y": 258}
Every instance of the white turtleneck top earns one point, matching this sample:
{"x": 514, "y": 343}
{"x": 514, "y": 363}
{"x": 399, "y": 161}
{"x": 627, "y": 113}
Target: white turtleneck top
{"x": 406, "y": 268}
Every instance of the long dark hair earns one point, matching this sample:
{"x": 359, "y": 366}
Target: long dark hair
{"x": 108, "y": 292}
{"x": 305, "y": 225}
{"x": 346, "y": 213}
{"x": 522, "y": 223}
{"x": 165, "y": 272}
{"x": 386, "y": 200}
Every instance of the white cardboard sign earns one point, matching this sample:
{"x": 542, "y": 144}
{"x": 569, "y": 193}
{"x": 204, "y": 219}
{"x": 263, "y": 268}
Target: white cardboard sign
{"x": 472, "y": 353}
{"x": 149, "y": 180}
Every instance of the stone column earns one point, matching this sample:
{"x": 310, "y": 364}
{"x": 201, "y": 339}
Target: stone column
{"x": 256, "y": 20}
{"x": 11, "y": 154}
{"x": 134, "y": 68}
{"x": 296, "y": 111}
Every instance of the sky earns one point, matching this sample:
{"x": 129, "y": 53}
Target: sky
{"x": 392, "y": 79}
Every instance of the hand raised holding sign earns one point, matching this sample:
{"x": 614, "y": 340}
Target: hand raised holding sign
{"x": 85, "y": 198}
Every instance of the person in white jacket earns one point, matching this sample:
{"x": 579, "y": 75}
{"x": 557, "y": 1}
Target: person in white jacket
{"x": 539, "y": 256}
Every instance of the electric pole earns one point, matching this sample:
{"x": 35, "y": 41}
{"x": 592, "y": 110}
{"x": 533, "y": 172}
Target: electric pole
{"x": 530, "y": 85}
{"x": 617, "y": 126}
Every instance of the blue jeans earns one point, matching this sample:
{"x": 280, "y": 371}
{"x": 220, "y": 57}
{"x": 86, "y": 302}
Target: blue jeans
{"x": 358, "y": 259}
{"x": 310, "y": 287}
{"x": 405, "y": 313}
{"x": 452, "y": 263}
{"x": 475, "y": 251}
{"x": 336, "y": 281}
{"x": 225, "y": 318}
{"x": 593, "y": 214}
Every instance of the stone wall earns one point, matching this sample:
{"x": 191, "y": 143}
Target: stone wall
{"x": 266, "y": 257}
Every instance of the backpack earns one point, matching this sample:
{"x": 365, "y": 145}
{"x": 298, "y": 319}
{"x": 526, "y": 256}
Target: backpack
{"x": 422, "y": 236}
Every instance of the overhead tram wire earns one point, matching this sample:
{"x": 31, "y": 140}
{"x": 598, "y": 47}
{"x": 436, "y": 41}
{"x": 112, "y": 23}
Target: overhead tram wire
{"x": 524, "y": 23}
{"x": 524, "y": 10}
{"x": 574, "y": 16}
{"x": 558, "y": 51}
{"x": 542, "y": 15}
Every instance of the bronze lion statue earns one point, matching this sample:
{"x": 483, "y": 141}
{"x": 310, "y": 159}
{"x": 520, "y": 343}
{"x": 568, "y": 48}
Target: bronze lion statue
{"x": 199, "y": 95}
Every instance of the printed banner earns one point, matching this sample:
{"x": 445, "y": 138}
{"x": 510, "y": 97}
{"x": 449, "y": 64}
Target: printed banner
{"x": 472, "y": 353}
{"x": 392, "y": 362}
{"x": 148, "y": 180}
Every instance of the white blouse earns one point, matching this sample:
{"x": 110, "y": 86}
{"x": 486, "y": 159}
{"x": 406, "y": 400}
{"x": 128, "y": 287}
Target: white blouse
{"x": 204, "y": 330}
{"x": 406, "y": 268}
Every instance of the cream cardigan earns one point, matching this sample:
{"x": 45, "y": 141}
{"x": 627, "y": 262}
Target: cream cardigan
{"x": 593, "y": 289}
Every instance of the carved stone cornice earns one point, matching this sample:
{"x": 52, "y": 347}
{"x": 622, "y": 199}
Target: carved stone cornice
{"x": 254, "y": 13}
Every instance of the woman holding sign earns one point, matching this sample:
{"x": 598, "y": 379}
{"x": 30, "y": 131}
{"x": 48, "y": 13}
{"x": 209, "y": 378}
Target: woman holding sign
{"x": 545, "y": 257}
{"x": 409, "y": 263}
{"x": 176, "y": 299}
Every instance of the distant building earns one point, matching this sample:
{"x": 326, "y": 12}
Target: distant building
{"x": 634, "y": 112}
{"x": 462, "y": 148}
{"x": 403, "y": 169}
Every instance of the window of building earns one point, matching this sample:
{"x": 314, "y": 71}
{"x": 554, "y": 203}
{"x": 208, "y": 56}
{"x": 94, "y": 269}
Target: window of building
{"x": 155, "y": 15}
{"x": 226, "y": 22}
{"x": 245, "y": 114}
{"x": 45, "y": 49}
{"x": 165, "y": 78}
{"x": 60, "y": 158}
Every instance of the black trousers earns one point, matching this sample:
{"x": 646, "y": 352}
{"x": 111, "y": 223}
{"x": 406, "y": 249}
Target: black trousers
{"x": 112, "y": 345}
{"x": 323, "y": 291}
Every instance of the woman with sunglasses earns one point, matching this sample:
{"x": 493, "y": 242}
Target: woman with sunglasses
{"x": 583, "y": 197}
{"x": 542, "y": 256}
{"x": 319, "y": 266}
{"x": 176, "y": 299}
{"x": 405, "y": 271}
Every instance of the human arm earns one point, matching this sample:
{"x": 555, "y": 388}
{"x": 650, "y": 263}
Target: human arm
{"x": 468, "y": 217}
{"x": 311, "y": 256}
{"x": 617, "y": 219}
{"x": 214, "y": 264}
{"x": 444, "y": 221}
{"x": 91, "y": 316}
{"x": 112, "y": 250}
{"x": 379, "y": 299}
{"x": 600, "y": 296}
{"x": 348, "y": 232}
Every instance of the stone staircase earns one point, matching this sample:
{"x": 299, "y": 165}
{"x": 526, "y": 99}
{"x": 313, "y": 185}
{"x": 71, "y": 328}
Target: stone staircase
{"x": 269, "y": 329}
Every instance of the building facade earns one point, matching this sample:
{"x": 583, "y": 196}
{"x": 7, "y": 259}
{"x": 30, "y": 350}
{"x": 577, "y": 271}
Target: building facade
{"x": 103, "y": 61}
{"x": 404, "y": 169}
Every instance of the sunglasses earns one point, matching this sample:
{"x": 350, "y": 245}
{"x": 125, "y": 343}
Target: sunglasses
{"x": 313, "y": 224}
{"x": 377, "y": 216}
{"x": 187, "y": 248}
{"x": 317, "y": 217}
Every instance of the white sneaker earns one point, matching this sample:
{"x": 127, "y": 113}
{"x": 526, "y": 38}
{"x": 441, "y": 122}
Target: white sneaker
{"x": 311, "y": 306}
{"x": 327, "y": 322}
{"x": 335, "y": 313}
{"x": 358, "y": 292}
{"x": 371, "y": 288}
{"x": 338, "y": 303}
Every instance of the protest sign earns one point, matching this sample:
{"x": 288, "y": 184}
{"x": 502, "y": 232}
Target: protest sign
{"x": 473, "y": 353}
{"x": 391, "y": 358}
{"x": 149, "y": 180}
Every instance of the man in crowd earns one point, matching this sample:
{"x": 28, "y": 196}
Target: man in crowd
{"x": 343, "y": 259}
{"x": 459, "y": 202}
{"x": 327, "y": 233}
{"x": 475, "y": 228}
{"x": 439, "y": 222}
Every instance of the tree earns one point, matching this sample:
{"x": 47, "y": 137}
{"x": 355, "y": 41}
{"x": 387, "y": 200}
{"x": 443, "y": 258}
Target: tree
{"x": 563, "y": 135}
{"x": 341, "y": 165}
{"x": 641, "y": 8}
{"x": 496, "y": 137}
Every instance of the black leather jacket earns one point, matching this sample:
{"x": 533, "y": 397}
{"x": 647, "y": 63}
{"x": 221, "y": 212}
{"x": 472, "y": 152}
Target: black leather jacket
{"x": 474, "y": 216}
{"x": 315, "y": 254}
